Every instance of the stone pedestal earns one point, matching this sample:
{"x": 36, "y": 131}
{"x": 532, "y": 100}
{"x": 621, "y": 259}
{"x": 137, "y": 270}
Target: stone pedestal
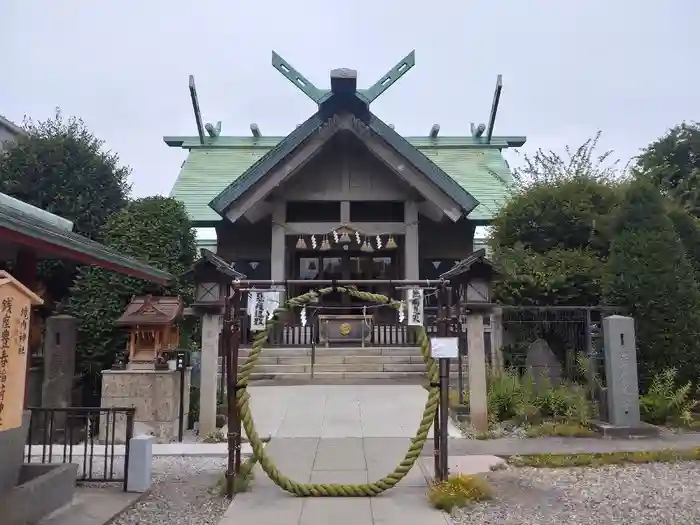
{"x": 154, "y": 393}
{"x": 12, "y": 443}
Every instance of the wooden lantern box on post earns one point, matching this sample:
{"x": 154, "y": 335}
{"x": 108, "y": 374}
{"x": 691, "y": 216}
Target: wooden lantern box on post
{"x": 147, "y": 383}
{"x": 473, "y": 277}
{"x": 211, "y": 275}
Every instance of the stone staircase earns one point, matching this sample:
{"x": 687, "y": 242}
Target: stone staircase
{"x": 344, "y": 364}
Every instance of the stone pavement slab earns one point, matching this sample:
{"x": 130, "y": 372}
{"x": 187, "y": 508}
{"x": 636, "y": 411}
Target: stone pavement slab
{"x": 337, "y": 434}
{"x": 338, "y": 411}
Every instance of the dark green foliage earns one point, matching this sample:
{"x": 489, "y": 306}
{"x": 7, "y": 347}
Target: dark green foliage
{"x": 155, "y": 230}
{"x": 649, "y": 275}
{"x": 688, "y": 230}
{"x": 672, "y": 163}
{"x": 558, "y": 277}
{"x": 550, "y": 238}
{"x": 568, "y": 214}
{"x": 63, "y": 168}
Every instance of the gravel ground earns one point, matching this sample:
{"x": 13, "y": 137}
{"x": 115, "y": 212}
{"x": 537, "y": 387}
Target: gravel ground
{"x": 184, "y": 493}
{"x": 657, "y": 493}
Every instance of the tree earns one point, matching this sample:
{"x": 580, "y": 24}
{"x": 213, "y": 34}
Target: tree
{"x": 648, "y": 274}
{"x": 672, "y": 163}
{"x": 566, "y": 214}
{"x": 63, "y": 168}
{"x": 556, "y": 278}
{"x": 155, "y": 230}
{"x": 688, "y": 229}
{"x": 554, "y": 231}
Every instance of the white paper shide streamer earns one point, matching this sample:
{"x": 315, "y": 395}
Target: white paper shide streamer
{"x": 414, "y": 300}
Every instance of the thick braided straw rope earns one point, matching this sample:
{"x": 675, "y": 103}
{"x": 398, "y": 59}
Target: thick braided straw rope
{"x": 322, "y": 489}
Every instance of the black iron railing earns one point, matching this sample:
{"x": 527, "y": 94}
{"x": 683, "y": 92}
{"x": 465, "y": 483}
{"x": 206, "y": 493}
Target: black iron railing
{"x": 97, "y": 439}
{"x": 382, "y": 333}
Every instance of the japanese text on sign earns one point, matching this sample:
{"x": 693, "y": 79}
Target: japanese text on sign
{"x": 415, "y": 306}
{"x": 5, "y": 344}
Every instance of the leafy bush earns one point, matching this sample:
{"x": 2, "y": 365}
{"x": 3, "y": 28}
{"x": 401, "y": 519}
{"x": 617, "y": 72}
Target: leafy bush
{"x": 557, "y": 277}
{"x": 459, "y": 491}
{"x": 665, "y": 402}
{"x": 155, "y": 230}
{"x": 512, "y": 398}
{"x": 648, "y": 274}
{"x": 672, "y": 163}
{"x": 558, "y": 214}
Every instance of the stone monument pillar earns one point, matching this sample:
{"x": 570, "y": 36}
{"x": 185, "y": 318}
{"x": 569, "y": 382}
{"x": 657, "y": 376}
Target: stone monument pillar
{"x": 620, "y": 350}
{"x": 59, "y": 364}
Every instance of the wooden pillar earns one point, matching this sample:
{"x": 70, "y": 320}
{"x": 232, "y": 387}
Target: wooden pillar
{"x": 411, "y": 257}
{"x": 478, "y": 412}
{"x": 277, "y": 242}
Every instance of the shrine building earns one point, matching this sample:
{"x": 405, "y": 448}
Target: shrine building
{"x": 344, "y": 195}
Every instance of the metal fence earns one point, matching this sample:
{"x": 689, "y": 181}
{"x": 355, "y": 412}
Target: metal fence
{"x": 96, "y": 439}
{"x": 382, "y": 333}
{"x": 569, "y": 332}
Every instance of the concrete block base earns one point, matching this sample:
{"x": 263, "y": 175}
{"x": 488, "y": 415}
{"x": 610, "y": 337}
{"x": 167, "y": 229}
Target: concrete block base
{"x": 156, "y": 396}
{"x": 643, "y": 430}
{"x": 12, "y": 454}
{"x": 42, "y": 489}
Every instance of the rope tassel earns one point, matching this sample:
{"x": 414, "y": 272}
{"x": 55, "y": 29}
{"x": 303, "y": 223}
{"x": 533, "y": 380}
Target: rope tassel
{"x": 321, "y": 489}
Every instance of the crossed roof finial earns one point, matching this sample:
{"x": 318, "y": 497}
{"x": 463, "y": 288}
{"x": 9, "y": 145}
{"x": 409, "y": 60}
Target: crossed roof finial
{"x": 368, "y": 95}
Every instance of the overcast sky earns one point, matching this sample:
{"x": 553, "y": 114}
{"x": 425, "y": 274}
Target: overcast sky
{"x": 569, "y": 68}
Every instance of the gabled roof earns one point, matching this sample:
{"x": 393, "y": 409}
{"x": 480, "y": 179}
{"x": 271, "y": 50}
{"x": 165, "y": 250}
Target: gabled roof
{"x": 209, "y": 258}
{"x": 14, "y": 128}
{"x": 151, "y": 310}
{"x": 474, "y": 165}
{"x": 295, "y": 139}
{"x": 462, "y": 267}
{"x": 32, "y": 230}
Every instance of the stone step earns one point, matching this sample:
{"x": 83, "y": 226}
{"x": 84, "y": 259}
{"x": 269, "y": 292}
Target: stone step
{"x": 346, "y": 364}
{"x": 333, "y": 377}
{"x": 351, "y": 367}
{"x": 323, "y": 351}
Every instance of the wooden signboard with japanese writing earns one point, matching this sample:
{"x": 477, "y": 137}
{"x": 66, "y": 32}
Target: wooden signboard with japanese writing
{"x": 16, "y": 302}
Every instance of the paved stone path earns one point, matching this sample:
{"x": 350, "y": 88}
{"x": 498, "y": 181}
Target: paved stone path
{"x": 337, "y": 434}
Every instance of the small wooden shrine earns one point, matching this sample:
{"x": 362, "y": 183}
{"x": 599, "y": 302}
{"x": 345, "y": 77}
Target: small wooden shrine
{"x": 152, "y": 329}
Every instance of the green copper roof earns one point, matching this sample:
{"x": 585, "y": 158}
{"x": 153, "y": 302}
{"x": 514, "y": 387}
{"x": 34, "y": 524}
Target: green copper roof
{"x": 29, "y": 226}
{"x": 477, "y": 167}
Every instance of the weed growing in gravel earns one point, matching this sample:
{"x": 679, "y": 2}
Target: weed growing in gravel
{"x": 458, "y": 491}
{"x": 601, "y": 459}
